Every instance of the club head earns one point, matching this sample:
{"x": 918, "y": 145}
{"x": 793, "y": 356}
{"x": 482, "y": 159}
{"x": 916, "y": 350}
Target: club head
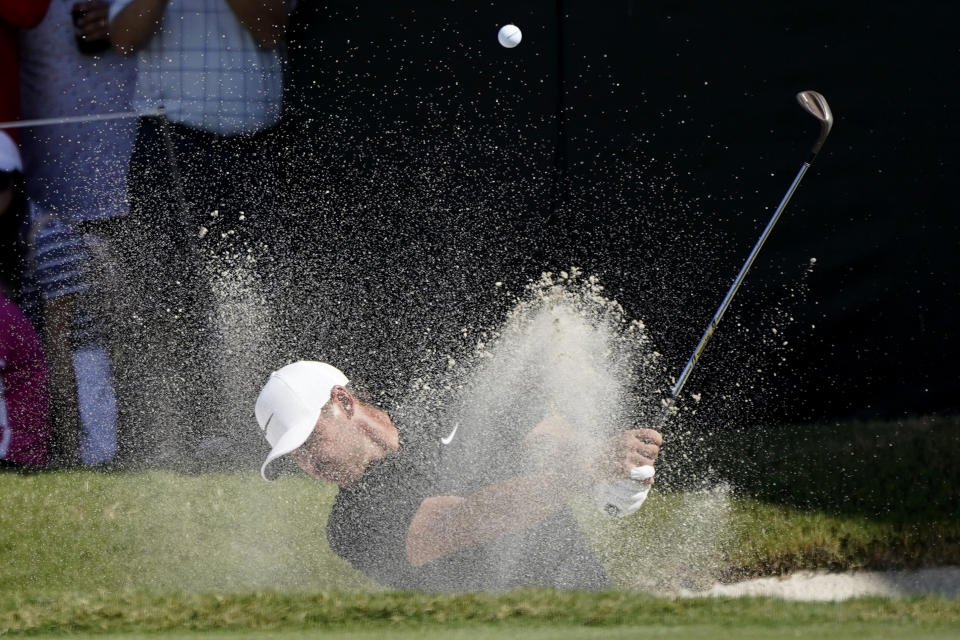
{"x": 816, "y": 105}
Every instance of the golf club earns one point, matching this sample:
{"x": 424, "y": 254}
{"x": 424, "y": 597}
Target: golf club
{"x": 816, "y": 105}
{"x": 623, "y": 497}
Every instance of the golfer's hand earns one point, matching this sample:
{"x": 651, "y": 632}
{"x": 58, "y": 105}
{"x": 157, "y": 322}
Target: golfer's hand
{"x": 628, "y": 450}
{"x": 626, "y": 469}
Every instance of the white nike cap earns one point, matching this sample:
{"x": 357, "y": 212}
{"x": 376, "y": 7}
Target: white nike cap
{"x": 290, "y": 403}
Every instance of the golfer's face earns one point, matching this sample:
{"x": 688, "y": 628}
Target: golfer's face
{"x": 335, "y": 451}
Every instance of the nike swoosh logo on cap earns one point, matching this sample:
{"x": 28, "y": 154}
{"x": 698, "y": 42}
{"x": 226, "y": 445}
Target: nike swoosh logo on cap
{"x": 267, "y": 423}
{"x": 449, "y": 438}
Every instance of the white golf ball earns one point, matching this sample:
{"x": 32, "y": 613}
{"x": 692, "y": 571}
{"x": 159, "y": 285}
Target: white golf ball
{"x": 509, "y": 35}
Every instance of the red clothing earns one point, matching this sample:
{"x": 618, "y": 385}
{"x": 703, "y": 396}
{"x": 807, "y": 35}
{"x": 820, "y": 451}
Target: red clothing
{"x": 14, "y": 15}
{"x": 24, "y": 400}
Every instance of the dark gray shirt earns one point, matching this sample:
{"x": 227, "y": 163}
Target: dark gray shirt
{"x": 370, "y": 518}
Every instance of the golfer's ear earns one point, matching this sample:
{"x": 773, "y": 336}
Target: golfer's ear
{"x": 343, "y": 398}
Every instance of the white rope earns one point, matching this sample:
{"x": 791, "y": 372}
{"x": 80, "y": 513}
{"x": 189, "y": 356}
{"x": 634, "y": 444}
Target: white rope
{"x": 43, "y": 122}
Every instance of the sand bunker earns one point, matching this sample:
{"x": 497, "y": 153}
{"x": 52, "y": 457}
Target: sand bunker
{"x": 830, "y": 586}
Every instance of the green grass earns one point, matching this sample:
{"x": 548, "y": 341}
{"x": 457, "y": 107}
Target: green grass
{"x": 165, "y": 555}
{"x": 84, "y": 531}
{"x": 87, "y": 531}
{"x": 845, "y": 631}
{"x": 529, "y": 610}
{"x": 902, "y": 471}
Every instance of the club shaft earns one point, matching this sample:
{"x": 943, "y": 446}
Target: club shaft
{"x": 708, "y": 332}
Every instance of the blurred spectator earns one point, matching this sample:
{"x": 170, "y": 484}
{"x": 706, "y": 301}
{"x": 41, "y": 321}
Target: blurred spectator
{"x": 14, "y": 15}
{"x": 216, "y": 68}
{"x": 24, "y": 403}
{"x": 80, "y": 382}
{"x": 76, "y": 174}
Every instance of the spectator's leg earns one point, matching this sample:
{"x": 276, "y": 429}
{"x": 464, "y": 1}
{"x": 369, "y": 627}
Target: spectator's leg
{"x": 97, "y": 405}
{"x": 114, "y": 309}
{"x": 155, "y": 323}
{"x": 205, "y": 169}
{"x": 96, "y": 398}
{"x": 57, "y": 272}
{"x": 232, "y": 298}
{"x": 58, "y": 316}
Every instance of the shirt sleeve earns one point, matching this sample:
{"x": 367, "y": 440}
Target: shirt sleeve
{"x": 368, "y": 528}
{"x": 370, "y": 532}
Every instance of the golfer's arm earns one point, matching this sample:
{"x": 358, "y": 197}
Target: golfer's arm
{"x": 446, "y": 524}
{"x": 135, "y": 24}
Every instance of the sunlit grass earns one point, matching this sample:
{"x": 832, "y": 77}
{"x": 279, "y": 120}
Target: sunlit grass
{"x": 87, "y": 531}
{"x": 82, "y": 530}
{"x": 270, "y": 611}
{"x": 173, "y": 556}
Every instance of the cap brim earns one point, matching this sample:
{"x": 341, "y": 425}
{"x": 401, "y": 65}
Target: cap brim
{"x": 289, "y": 442}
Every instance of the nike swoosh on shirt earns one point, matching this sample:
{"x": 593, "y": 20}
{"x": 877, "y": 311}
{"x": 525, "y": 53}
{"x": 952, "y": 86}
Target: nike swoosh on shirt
{"x": 449, "y": 438}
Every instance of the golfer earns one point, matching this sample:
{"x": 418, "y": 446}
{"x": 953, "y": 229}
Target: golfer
{"x": 390, "y": 518}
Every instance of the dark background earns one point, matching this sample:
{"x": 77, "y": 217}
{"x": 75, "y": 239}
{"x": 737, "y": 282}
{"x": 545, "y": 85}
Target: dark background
{"x": 647, "y": 142}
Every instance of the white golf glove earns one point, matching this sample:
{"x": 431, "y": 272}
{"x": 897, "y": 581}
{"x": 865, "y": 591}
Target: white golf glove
{"x": 622, "y": 497}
